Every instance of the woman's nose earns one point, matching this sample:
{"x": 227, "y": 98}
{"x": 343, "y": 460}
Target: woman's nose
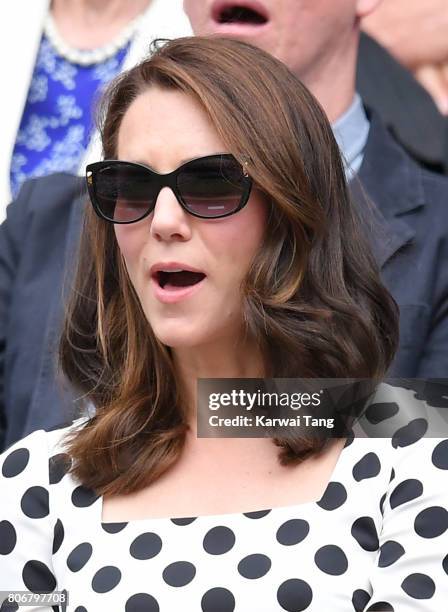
{"x": 169, "y": 219}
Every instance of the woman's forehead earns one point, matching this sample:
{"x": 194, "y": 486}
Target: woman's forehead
{"x": 163, "y": 128}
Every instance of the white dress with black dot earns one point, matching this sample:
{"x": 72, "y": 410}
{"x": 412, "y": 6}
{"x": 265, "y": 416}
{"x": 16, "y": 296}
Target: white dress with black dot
{"x": 376, "y": 541}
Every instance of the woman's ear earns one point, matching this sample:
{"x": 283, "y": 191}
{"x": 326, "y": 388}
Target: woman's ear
{"x": 366, "y": 7}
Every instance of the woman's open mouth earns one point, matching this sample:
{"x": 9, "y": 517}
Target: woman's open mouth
{"x": 175, "y": 284}
{"x": 174, "y": 279}
{"x": 245, "y": 13}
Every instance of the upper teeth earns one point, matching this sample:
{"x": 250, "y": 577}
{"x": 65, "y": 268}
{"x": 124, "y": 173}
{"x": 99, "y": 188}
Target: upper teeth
{"x": 180, "y": 270}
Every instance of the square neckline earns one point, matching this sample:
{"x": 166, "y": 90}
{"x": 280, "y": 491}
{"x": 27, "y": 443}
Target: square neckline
{"x": 228, "y": 515}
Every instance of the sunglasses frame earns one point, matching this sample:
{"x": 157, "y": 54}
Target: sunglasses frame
{"x": 162, "y": 180}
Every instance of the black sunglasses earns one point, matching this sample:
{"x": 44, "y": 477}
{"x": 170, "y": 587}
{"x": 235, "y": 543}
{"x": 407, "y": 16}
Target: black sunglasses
{"x": 208, "y": 187}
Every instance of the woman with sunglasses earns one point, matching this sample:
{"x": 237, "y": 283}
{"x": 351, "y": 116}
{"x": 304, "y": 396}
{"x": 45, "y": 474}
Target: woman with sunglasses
{"x": 221, "y": 244}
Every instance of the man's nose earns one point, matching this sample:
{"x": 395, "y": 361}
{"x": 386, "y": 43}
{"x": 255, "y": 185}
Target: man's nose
{"x": 169, "y": 219}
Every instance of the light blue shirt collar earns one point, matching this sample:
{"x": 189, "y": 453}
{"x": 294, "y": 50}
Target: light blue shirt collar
{"x": 351, "y": 131}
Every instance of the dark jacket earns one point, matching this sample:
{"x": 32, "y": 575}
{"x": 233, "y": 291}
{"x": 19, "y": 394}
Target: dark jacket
{"x": 40, "y": 237}
{"x": 403, "y": 105}
{"x": 412, "y": 249}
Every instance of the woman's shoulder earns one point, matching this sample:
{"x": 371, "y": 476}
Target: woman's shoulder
{"x": 40, "y": 455}
{"x": 423, "y": 458}
{"x": 420, "y": 462}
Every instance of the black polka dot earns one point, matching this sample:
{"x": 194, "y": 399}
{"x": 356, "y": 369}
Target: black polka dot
{"x": 9, "y": 607}
{"x": 218, "y": 600}
{"x": 367, "y": 467}
{"x": 179, "y": 574}
{"x": 79, "y": 556}
{"x": 380, "y": 606}
{"x": 431, "y": 522}
{"x": 382, "y": 500}
{"x": 445, "y": 564}
{"x": 331, "y": 559}
{"x": 410, "y": 433}
{"x": 256, "y": 514}
{"x": 254, "y": 566}
{"x": 219, "y": 540}
{"x": 376, "y": 413}
{"x": 81, "y": 609}
{"x": 392, "y": 475}
{"x": 58, "y": 466}
{"x": 405, "y": 491}
{"x": 58, "y": 536}
{"x": 419, "y": 586}
{"x": 146, "y": 546}
{"x": 390, "y": 552}
{"x": 38, "y": 578}
{"x": 35, "y": 502}
{"x": 440, "y": 455}
{"x": 292, "y": 532}
{"x": 335, "y": 495}
{"x": 113, "y": 527}
{"x": 294, "y": 595}
{"x": 15, "y": 462}
{"x": 83, "y": 497}
{"x": 364, "y": 532}
{"x": 360, "y": 599}
{"x": 8, "y": 537}
{"x": 187, "y": 520}
{"x": 142, "y": 602}
{"x": 106, "y": 579}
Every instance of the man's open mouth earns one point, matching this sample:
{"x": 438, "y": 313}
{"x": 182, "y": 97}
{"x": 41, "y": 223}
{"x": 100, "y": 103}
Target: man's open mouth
{"x": 178, "y": 278}
{"x": 240, "y": 13}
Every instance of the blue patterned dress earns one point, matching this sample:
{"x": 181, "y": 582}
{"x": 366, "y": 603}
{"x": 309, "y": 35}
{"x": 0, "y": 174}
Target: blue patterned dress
{"x": 58, "y": 118}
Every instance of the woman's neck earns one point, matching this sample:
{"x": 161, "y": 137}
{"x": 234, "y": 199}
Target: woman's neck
{"x": 224, "y": 360}
{"x": 89, "y": 24}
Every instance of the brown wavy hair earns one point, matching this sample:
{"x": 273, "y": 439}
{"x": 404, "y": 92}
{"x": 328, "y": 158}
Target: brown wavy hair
{"x": 313, "y": 299}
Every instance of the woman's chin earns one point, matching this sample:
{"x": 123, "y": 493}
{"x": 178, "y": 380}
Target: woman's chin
{"x": 189, "y": 334}
{"x": 179, "y": 339}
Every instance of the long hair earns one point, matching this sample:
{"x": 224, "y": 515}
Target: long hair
{"x": 313, "y": 300}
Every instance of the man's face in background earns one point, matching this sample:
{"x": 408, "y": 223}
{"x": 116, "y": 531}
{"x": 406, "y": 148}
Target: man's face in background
{"x": 304, "y": 34}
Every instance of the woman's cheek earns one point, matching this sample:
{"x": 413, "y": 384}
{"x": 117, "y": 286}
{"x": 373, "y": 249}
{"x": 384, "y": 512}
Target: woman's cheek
{"x": 130, "y": 240}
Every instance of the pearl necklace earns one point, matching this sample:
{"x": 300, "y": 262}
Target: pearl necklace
{"x": 86, "y": 57}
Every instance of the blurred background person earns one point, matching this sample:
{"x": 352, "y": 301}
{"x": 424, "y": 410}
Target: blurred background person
{"x": 56, "y": 56}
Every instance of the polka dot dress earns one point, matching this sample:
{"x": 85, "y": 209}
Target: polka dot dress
{"x": 377, "y": 540}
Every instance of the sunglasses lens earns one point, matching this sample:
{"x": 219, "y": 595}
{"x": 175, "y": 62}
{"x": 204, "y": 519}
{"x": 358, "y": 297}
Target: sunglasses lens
{"x": 123, "y": 192}
{"x": 212, "y": 187}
